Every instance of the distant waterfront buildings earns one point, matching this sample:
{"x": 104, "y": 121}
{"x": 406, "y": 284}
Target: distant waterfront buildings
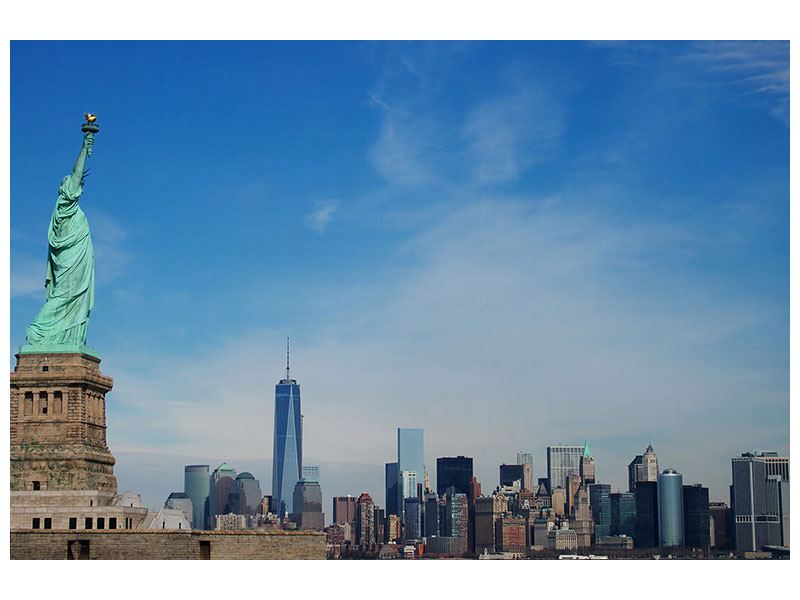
{"x": 670, "y": 508}
{"x": 221, "y": 483}
{"x": 696, "y": 517}
{"x": 756, "y": 499}
{"x": 248, "y": 493}
{"x": 644, "y": 467}
{"x": 600, "y": 501}
{"x": 562, "y": 461}
{"x": 365, "y": 521}
{"x": 623, "y": 513}
{"x": 180, "y": 501}
{"x": 344, "y": 509}
{"x": 453, "y": 471}
{"x": 307, "y": 505}
{"x": 196, "y": 486}
{"x": 646, "y": 498}
{"x": 393, "y": 492}
{"x": 287, "y": 452}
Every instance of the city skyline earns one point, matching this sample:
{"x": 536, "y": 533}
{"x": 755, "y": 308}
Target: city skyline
{"x": 601, "y": 228}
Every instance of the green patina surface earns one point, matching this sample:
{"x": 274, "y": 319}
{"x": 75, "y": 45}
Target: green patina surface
{"x": 58, "y": 349}
{"x": 62, "y": 323}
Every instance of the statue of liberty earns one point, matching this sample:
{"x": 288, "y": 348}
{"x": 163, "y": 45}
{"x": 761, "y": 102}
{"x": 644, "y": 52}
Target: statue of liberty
{"x": 62, "y": 322}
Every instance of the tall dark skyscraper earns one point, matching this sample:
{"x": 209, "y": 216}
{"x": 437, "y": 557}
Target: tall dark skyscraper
{"x": 287, "y": 451}
{"x": 646, "y": 499}
{"x": 623, "y": 513}
{"x": 392, "y": 488}
{"x": 696, "y": 530}
{"x": 455, "y": 471}
{"x": 601, "y": 509}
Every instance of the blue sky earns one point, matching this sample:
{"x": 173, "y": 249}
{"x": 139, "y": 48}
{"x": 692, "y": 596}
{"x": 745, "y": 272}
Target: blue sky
{"x": 509, "y": 244}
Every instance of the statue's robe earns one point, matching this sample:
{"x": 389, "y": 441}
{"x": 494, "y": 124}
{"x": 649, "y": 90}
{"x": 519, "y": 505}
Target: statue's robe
{"x": 64, "y": 318}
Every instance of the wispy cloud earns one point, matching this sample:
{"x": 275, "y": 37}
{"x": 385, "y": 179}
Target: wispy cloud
{"x": 749, "y": 68}
{"x": 507, "y": 134}
{"x": 516, "y": 307}
{"x": 405, "y": 152}
{"x": 321, "y": 215}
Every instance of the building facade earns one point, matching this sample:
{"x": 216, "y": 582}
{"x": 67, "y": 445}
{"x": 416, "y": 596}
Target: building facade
{"x": 453, "y": 471}
{"x": 696, "y": 517}
{"x": 644, "y": 467}
{"x": 754, "y": 503}
{"x": 195, "y": 485}
{"x": 287, "y": 450}
{"x": 670, "y": 508}
{"x": 562, "y": 461}
{"x": 646, "y": 497}
{"x": 623, "y": 513}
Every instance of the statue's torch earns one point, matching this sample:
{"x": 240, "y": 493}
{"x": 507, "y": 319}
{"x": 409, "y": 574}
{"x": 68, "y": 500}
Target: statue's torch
{"x": 90, "y": 127}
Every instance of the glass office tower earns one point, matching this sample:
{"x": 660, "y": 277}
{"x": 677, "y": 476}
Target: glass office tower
{"x": 453, "y": 471}
{"x": 670, "y": 508}
{"x": 411, "y": 452}
{"x": 195, "y": 485}
{"x": 562, "y": 461}
{"x": 287, "y": 451}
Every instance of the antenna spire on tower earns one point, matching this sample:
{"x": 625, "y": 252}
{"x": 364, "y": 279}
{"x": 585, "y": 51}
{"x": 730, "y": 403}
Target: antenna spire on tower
{"x": 287, "y": 358}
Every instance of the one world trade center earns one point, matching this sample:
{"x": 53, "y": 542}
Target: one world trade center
{"x": 287, "y": 451}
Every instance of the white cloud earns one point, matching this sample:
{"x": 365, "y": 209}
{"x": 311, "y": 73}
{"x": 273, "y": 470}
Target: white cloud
{"x": 322, "y": 214}
{"x": 522, "y": 327}
{"x": 509, "y": 133}
{"x": 405, "y": 152}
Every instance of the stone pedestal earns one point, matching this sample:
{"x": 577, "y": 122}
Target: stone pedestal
{"x": 58, "y": 424}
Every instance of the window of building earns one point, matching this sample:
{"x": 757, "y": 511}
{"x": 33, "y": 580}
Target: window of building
{"x": 101, "y": 523}
{"x": 58, "y": 403}
{"x": 48, "y": 523}
{"x": 87, "y": 523}
{"x": 73, "y": 522}
{"x": 35, "y": 523}
{"x": 112, "y": 522}
{"x": 28, "y": 403}
{"x": 43, "y": 403}
{"x": 37, "y": 485}
{"x": 45, "y": 368}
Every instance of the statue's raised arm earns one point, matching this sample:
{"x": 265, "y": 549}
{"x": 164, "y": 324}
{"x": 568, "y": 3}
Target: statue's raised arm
{"x": 62, "y": 323}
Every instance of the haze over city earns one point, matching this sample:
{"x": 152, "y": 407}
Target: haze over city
{"x": 511, "y": 245}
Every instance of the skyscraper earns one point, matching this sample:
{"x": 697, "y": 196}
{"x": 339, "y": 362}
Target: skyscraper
{"x": 587, "y": 465}
{"x": 221, "y": 483}
{"x": 455, "y": 471}
{"x": 601, "y": 509}
{"x": 562, "y": 461}
{"x": 392, "y": 488}
{"x": 196, "y": 486}
{"x": 696, "y": 530}
{"x": 646, "y": 498}
{"x": 411, "y": 452}
{"x": 623, "y": 513}
{"x": 344, "y": 509}
{"x": 249, "y": 494}
{"x": 644, "y": 467}
{"x": 754, "y": 502}
{"x": 670, "y": 508}
{"x": 307, "y": 504}
{"x": 287, "y": 452}
{"x": 365, "y": 521}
